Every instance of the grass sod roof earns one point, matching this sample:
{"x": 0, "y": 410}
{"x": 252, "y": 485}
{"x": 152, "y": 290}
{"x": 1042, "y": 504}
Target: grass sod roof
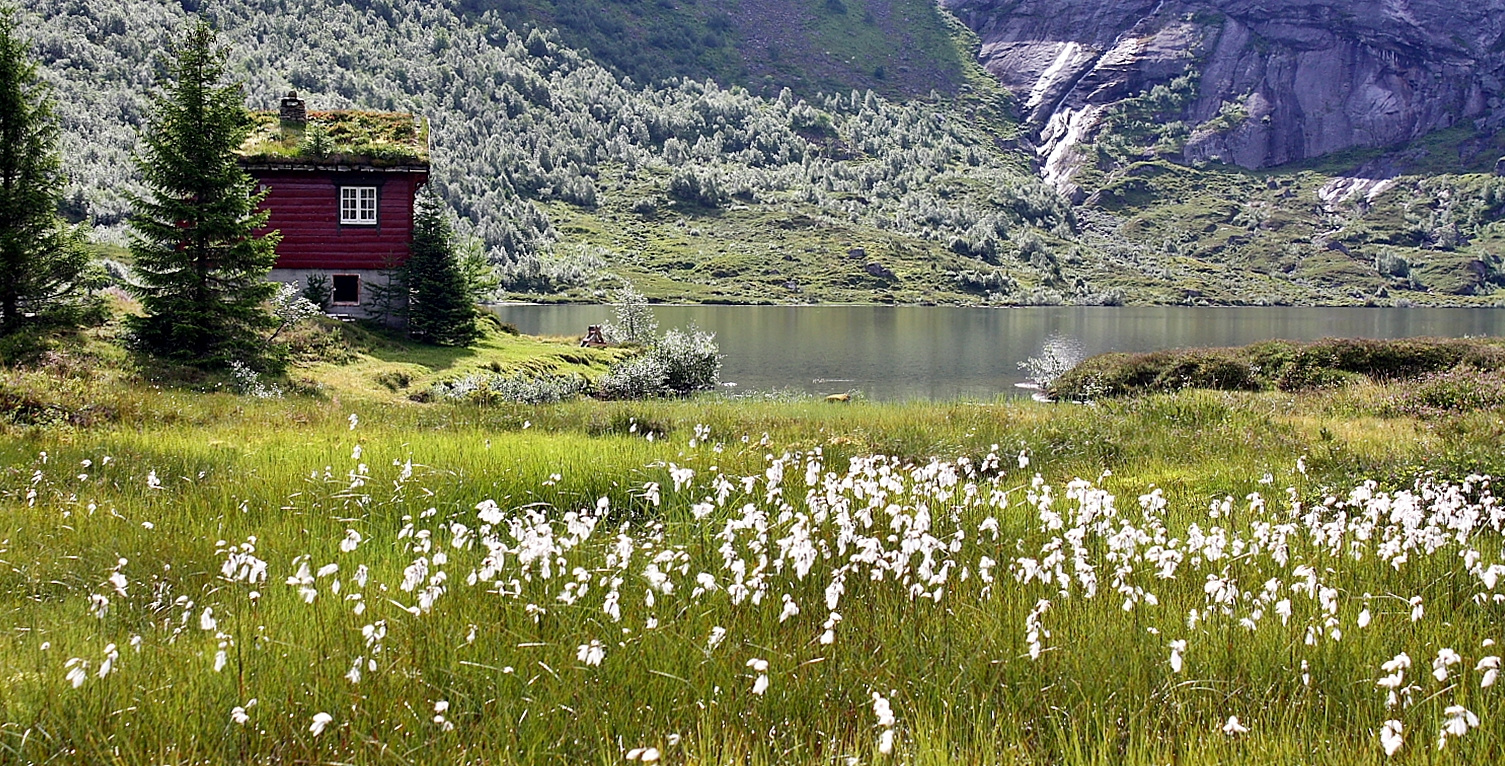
{"x": 340, "y": 137}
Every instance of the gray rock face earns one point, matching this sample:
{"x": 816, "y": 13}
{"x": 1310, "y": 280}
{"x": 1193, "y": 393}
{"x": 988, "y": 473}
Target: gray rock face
{"x": 1301, "y": 78}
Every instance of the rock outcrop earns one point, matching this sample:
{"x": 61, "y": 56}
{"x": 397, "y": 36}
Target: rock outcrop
{"x": 1276, "y": 81}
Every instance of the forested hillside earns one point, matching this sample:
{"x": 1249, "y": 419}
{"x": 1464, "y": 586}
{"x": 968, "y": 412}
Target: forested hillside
{"x": 570, "y": 172}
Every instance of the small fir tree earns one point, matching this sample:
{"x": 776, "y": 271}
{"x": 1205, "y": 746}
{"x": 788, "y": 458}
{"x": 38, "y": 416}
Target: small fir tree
{"x": 440, "y": 308}
{"x": 43, "y": 264}
{"x": 200, "y": 263}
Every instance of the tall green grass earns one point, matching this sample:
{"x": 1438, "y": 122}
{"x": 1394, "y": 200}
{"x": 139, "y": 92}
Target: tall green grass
{"x": 957, "y": 669}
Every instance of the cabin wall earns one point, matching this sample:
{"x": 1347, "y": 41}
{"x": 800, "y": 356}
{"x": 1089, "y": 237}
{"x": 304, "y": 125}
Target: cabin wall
{"x": 305, "y": 208}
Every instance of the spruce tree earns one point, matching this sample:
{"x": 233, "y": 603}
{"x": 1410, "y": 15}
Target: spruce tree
{"x": 440, "y": 309}
{"x": 42, "y": 261}
{"x": 200, "y": 264}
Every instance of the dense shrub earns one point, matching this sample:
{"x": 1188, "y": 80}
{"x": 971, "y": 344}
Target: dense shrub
{"x": 679, "y": 363}
{"x": 1460, "y": 390}
{"x": 1294, "y": 367}
{"x": 491, "y": 388}
{"x": 1281, "y": 365}
{"x": 1123, "y": 374}
{"x": 640, "y": 377}
{"x": 692, "y": 360}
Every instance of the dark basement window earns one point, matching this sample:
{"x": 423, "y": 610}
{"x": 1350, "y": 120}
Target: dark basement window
{"x": 347, "y": 290}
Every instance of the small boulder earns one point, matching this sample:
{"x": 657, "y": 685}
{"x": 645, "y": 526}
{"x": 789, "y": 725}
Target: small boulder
{"x": 879, "y": 270}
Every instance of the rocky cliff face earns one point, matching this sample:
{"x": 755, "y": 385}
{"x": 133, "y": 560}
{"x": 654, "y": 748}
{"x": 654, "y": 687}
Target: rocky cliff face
{"x": 1275, "y": 81}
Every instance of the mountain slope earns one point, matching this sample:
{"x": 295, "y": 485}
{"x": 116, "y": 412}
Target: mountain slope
{"x": 1267, "y": 82}
{"x": 895, "y": 47}
{"x": 569, "y": 175}
{"x": 1373, "y": 128}
{"x": 527, "y": 130}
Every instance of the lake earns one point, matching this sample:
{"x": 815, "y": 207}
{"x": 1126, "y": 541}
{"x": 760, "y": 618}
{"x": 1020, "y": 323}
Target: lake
{"x": 925, "y": 352}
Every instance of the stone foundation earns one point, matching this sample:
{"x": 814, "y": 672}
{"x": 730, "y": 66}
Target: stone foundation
{"x": 364, "y": 306}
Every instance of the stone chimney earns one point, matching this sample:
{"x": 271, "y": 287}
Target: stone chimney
{"x": 293, "y": 112}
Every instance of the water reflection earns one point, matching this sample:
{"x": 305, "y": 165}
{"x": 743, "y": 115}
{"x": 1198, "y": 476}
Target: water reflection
{"x": 945, "y": 353}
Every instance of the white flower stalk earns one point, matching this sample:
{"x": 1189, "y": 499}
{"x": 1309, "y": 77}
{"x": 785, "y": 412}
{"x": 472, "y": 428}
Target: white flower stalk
{"x": 1178, "y": 647}
{"x": 1445, "y": 659}
{"x": 592, "y": 653}
{"x": 1457, "y": 720}
{"x": 78, "y": 671}
{"x": 882, "y": 711}
{"x": 790, "y": 608}
{"x": 1233, "y": 727}
{"x": 718, "y": 634}
{"x": 760, "y": 667}
{"x": 1392, "y": 736}
{"x": 320, "y": 720}
{"x": 1490, "y": 666}
{"x": 829, "y": 636}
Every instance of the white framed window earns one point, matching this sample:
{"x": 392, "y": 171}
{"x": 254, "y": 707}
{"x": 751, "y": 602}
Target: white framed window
{"x": 358, "y": 205}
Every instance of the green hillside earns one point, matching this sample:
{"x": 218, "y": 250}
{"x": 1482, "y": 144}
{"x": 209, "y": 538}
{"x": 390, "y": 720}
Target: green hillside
{"x": 894, "y": 47}
{"x": 839, "y": 152}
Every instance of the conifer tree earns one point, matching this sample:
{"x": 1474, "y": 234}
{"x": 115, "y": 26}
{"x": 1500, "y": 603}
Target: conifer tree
{"x": 42, "y": 261}
{"x": 440, "y": 309}
{"x": 200, "y": 262}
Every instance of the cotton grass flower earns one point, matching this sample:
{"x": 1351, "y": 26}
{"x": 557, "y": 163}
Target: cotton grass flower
{"x": 1445, "y": 658}
{"x": 882, "y": 710}
{"x": 1392, "y": 736}
{"x": 1233, "y": 728}
{"x": 78, "y": 671}
{"x": 440, "y": 708}
{"x": 592, "y": 653}
{"x": 1491, "y": 668}
{"x": 320, "y": 720}
{"x": 718, "y": 634}
{"x": 759, "y": 666}
{"x": 1457, "y": 720}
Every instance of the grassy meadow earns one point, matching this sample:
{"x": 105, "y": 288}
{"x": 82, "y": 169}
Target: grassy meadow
{"x": 357, "y": 578}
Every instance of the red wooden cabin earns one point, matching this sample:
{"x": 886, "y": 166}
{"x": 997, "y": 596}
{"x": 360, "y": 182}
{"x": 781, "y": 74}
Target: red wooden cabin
{"x": 340, "y": 187}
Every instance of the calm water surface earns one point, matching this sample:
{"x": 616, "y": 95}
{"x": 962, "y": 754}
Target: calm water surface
{"x": 946, "y": 353}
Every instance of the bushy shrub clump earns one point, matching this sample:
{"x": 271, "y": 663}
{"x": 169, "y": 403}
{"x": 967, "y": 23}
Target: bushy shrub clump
{"x": 1459, "y": 390}
{"x": 692, "y": 360}
{"x": 491, "y": 388}
{"x": 1277, "y": 365}
{"x": 640, "y": 377}
{"x": 1122, "y": 374}
{"x": 679, "y": 363}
